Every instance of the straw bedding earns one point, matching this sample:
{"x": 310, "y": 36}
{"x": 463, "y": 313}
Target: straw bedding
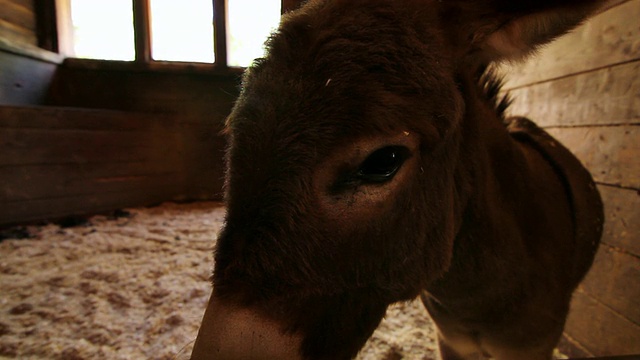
{"x": 134, "y": 285}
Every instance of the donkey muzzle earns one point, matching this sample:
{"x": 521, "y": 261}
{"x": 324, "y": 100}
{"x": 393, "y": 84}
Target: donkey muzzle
{"x": 229, "y": 332}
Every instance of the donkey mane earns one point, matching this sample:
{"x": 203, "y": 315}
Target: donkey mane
{"x": 491, "y": 83}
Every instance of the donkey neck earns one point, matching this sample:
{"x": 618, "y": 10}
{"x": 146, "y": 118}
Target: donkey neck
{"x": 511, "y": 213}
{"x": 492, "y": 167}
{"x": 491, "y": 177}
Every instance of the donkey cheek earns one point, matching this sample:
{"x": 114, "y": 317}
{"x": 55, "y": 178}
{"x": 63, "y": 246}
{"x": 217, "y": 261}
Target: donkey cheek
{"x": 359, "y": 207}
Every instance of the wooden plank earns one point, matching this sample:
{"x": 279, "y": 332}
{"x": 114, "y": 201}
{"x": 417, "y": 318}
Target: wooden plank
{"x": 29, "y": 4}
{"x": 202, "y": 160}
{"x": 611, "y": 37}
{"x": 35, "y": 147}
{"x": 99, "y": 187}
{"x": 599, "y": 329}
{"x": 49, "y": 117}
{"x": 23, "y": 183}
{"x": 611, "y": 3}
{"x": 607, "y": 96}
{"x": 610, "y": 153}
{"x": 17, "y": 14}
{"x": 45, "y": 209}
{"x": 29, "y": 50}
{"x": 572, "y": 348}
{"x": 207, "y": 97}
{"x": 23, "y": 80}
{"x": 17, "y": 33}
{"x": 205, "y": 184}
{"x": 622, "y": 215}
{"x": 613, "y": 281}
{"x": 53, "y": 157}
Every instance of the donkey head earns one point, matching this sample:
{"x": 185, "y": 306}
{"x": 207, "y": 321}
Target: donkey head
{"x": 342, "y": 186}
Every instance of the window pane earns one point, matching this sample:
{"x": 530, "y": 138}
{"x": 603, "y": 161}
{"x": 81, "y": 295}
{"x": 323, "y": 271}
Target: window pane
{"x": 103, "y": 29}
{"x": 182, "y": 30}
{"x": 248, "y": 26}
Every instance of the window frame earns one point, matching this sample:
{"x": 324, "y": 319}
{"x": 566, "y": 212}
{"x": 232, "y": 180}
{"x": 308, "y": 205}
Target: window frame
{"x": 62, "y": 42}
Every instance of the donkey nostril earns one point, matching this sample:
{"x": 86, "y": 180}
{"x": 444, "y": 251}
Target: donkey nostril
{"x": 382, "y": 164}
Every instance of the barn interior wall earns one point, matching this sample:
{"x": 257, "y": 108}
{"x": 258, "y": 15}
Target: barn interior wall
{"x": 18, "y": 21}
{"x": 112, "y": 139}
{"x": 585, "y": 90}
{"x": 24, "y": 80}
{"x": 195, "y": 104}
{"x": 81, "y": 139}
{"x": 25, "y": 69}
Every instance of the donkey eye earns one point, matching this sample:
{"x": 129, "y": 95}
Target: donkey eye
{"x": 382, "y": 164}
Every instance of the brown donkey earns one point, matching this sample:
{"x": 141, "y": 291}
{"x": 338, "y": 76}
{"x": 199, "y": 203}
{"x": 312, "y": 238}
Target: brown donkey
{"x": 370, "y": 163}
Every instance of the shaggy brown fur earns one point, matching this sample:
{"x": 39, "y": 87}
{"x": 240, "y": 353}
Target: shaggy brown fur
{"x": 476, "y": 222}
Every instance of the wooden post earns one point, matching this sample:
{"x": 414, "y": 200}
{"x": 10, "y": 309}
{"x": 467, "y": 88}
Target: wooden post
{"x": 142, "y": 30}
{"x": 220, "y": 32}
{"x": 46, "y": 27}
{"x": 65, "y": 28}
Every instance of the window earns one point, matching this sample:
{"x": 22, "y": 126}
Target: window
{"x": 182, "y": 30}
{"x": 90, "y": 20}
{"x": 244, "y": 42}
{"x": 167, "y": 30}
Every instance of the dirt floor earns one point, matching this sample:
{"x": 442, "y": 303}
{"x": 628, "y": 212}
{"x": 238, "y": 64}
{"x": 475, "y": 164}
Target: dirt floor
{"x": 135, "y": 286}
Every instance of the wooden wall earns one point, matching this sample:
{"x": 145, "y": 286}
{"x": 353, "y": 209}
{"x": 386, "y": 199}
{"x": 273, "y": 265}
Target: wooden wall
{"x": 585, "y": 90}
{"x": 25, "y": 69}
{"x": 57, "y": 162}
{"x": 18, "y": 21}
{"x": 85, "y": 137}
{"x": 24, "y": 80}
{"x": 197, "y": 102}
{"x": 113, "y": 138}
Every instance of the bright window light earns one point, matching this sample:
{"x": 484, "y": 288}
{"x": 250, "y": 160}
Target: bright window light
{"x": 182, "y": 30}
{"x": 249, "y": 23}
{"x": 103, "y": 29}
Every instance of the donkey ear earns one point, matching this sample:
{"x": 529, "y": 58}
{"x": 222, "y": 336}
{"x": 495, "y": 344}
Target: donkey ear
{"x": 512, "y": 29}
